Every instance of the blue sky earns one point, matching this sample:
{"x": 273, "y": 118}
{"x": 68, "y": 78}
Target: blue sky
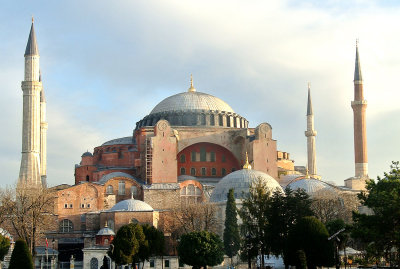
{"x": 106, "y": 64}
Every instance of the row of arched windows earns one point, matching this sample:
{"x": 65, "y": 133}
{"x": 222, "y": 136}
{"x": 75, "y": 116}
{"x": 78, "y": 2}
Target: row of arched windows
{"x": 203, "y": 156}
{"x": 203, "y": 171}
{"x": 121, "y": 189}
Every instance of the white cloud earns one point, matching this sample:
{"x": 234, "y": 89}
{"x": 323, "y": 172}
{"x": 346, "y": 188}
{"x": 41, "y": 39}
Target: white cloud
{"x": 107, "y": 64}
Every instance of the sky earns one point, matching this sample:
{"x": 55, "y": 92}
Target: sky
{"x": 106, "y": 64}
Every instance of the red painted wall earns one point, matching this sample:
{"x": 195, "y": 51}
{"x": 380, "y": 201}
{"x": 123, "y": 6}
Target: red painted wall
{"x": 229, "y": 163}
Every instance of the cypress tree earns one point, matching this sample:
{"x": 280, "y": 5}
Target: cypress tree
{"x": 21, "y": 256}
{"x": 231, "y": 231}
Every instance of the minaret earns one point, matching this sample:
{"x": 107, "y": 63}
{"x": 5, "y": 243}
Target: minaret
{"x": 43, "y": 136}
{"x": 310, "y": 134}
{"x": 359, "y": 106}
{"x": 31, "y": 87}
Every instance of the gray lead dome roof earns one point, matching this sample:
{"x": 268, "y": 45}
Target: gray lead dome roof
{"x": 191, "y": 101}
{"x": 310, "y": 185}
{"x": 131, "y": 205}
{"x": 240, "y": 181}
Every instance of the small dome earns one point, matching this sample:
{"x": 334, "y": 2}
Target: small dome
{"x": 310, "y": 185}
{"x": 87, "y": 154}
{"x": 106, "y": 231}
{"x": 131, "y": 205}
{"x": 186, "y": 101}
{"x": 287, "y": 179}
{"x": 240, "y": 181}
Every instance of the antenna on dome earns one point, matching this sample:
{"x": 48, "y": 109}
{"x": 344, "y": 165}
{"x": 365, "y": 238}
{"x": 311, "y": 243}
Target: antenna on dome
{"x": 191, "y": 89}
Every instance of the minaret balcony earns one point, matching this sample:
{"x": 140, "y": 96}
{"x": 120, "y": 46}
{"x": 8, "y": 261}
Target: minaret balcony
{"x": 310, "y": 133}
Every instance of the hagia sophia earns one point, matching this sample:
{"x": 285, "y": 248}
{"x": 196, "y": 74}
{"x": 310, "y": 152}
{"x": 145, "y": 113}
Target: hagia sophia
{"x": 192, "y": 147}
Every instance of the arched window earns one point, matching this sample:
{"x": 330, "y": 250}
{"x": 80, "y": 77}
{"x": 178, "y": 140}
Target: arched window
{"x": 183, "y": 171}
{"x": 191, "y": 189}
{"x": 183, "y": 158}
{"x": 193, "y": 156}
{"x": 202, "y": 154}
{"x": 87, "y": 178}
{"x": 121, "y": 187}
{"x": 183, "y": 191}
{"x": 66, "y": 226}
{"x": 221, "y": 122}
{"x": 193, "y": 171}
{"x": 223, "y": 171}
{"x": 212, "y": 156}
{"x": 191, "y": 194}
{"x": 109, "y": 189}
{"x": 134, "y": 221}
{"x": 203, "y": 171}
{"x": 203, "y": 119}
{"x": 105, "y": 241}
{"x": 212, "y": 120}
{"x": 134, "y": 191}
{"x": 213, "y": 171}
{"x": 94, "y": 263}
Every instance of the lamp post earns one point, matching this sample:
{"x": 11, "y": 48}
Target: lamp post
{"x": 335, "y": 236}
{"x": 248, "y": 245}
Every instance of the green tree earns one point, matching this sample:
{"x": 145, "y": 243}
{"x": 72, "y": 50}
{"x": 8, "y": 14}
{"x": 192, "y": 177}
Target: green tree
{"x": 125, "y": 246}
{"x": 285, "y": 211}
{"x": 4, "y": 247}
{"x": 379, "y": 227}
{"x": 154, "y": 245}
{"x": 231, "y": 231}
{"x": 311, "y": 236}
{"x": 201, "y": 249}
{"x": 21, "y": 256}
{"x": 254, "y": 214}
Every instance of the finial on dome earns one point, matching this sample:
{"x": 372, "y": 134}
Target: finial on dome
{"x": 132, "y": 195}
{"x": 33, "y": 20}
{"x": 105, "y": 225}
{"x": 191, "y": 89}
{"x": 247, "y": 164}
{"x": 307, "y": 175}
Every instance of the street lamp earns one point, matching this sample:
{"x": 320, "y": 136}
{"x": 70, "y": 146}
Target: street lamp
{"x": 335, "y": 236}
{"x": 248, "y": 245}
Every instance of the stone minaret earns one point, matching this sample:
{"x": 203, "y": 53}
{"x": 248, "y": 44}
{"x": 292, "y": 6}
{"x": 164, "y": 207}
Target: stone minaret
{"x": 310, "y": 134}
{"x": 43, "y": 136}
{"x": 359, "y": 106}
{"x": 31, "y": 87}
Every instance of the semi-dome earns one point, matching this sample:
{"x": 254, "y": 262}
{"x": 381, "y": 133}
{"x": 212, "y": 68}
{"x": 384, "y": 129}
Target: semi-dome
{"x": 310, "y": 186}
{"x": 131, "y": 205}
{"x": 240, "y": 181}
{"x": 193, "y": 108}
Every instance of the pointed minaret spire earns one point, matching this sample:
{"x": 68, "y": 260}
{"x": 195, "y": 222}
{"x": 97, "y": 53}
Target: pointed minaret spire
{"x": 42, "y": 96}
{"x": 191, "y": 89}
{"x": 357, "y": 70}
{"x": 31, "y": 46}
{"x": 33, "y": 160}
{"x": 310, "y": 134}
{"x": 309, "y": 104}
{"x": 359, "y": 106}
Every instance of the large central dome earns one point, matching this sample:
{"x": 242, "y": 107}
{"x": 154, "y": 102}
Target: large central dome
{"x": 194, "y": 108}
{"x": 192, "y": 100}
